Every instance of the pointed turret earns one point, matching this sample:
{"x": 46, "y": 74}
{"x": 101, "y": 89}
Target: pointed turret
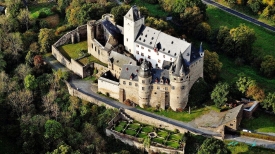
{"x": 201, "y": 51}
{"x": 133, "y": 14}
{"x": 144, "y": 69}
{"x": 179, "y": 67}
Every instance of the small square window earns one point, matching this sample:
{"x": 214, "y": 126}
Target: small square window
{"x": 142, "y": 88}
{"x": 159, "y": 61}
{"x": 137, "y": 52}
{"x": 142, "y": 54}
{"x": 143, "y": 81}
{"x": 124, "y": 82}
{"x": 136, "y": 84}
{"x": 173, "y": 87}
{"x": 163, "y": 56}
{"x": 149, "y": 57}
{"x": 166, "y": 88}
{"x": 137, "y": 45}
{"x": 142, "y": 47}
{"x": 130, "y": 83}
{"x": 149, "y": 50}
{"x": 171, "y": 59}
{"x": 157, "y": 87}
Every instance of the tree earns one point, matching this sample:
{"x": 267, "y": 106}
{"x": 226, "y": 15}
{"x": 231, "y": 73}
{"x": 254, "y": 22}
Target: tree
{"x": 24, "y": 17}
{"x": 201, "y": 89}
{"x": 46, "y": 39}
{"x": 212, "y": 145}
{"x": 190, "y": 18}
{"x": 15, "y": 45}
{"x": 244, "y": 82}
{"x": 21, "y": 101}
{"x": 22, "y": 71}
{"x": 158, "y": 24}
{"x": 202, "y": 31}
{"x": 255, "y": 5}
{"x": 4, "y": 79}
{"x": 268, "y": 66}
{"x": 38, "y": 61}
{"x": 212, "y": 66}
{"x": 219, "y": 94}
{"x": 13, "y": 7}
{"x": 30, "y": 82}
{"x": 2, "y": 62}
{"x": 269, "y": 102}
{"x": 255, "y": 92}
{"x": 62, "y": 5}
{"x": 53, "y": 129}
{"x": 119, "y": 12}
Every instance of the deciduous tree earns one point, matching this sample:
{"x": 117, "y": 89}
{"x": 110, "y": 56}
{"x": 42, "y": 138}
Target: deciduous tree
{"x": 212, "y": 66}
{"x": 219, "y": 94}
{"x": 212, "y": 145}
{"x": 269, "y": 102}
{"x": 24, "y": 17}
{"x": 46, "y": 39}
{"x": 268, "y": 66}
{"x": 53, "y": 129}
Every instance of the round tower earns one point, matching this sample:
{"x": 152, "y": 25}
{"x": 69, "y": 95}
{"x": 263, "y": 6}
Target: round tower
{"x": 144, "y": 82}
{"x": 179, "y": 82}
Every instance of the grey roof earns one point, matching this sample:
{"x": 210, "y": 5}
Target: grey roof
{"x": 195, "y": 53}
{"x": 129, "y": 70}
{"x": 165, "y": 43}
{"x": 133, "y": 14}
{"x": 180, "y": 66}
{"x": 232, "y": 114}
{"x": 2, "y": 8}
{"x": 119, "y": 59}
{"x": 112, "y": 29}
{"x": 160, "y": 74}
{"x": 144, "y": 69}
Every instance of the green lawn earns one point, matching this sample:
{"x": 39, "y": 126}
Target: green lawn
{"x": 181, "y": 116}
{"x": 40, "y": 7}
{"x": 263, "y": 123}
{"x": 130, "y": 132}
{"x": 173, "y": 144}
{"x": 230, "y": 71}
{"x": 86, "y": 60}
{"x": 155, "y": 10}
{"x": 242, "y": 148}
{"x": 176, "y": 137}
{"x": 162, "y": 133}
{"x": 142, "y": 135}
{"x": 147, "y": 129}
{"x": 265, "y": 39}
{"x": 123, "y": 123}
{"x": 158, "y": 140}
{"x": 134, "y": 126}
{"x": 119, "y": 128}
{"x": 73, "y": 50}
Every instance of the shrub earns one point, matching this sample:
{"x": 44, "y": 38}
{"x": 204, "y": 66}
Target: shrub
{"x": 42, "y": 15}
{"x": 43, "y": 24}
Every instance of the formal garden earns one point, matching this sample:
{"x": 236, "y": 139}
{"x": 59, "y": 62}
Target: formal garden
{"x": 157, "y": 136}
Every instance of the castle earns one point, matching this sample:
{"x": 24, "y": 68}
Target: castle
{"x": 158, "y": 70}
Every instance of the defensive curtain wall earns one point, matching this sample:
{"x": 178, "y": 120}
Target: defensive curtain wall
{"x": 80, "y": 33}
{"x": 108, "y": 87}
{"x": 137, "y": 116}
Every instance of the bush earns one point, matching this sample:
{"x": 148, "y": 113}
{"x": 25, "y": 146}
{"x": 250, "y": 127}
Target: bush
{"x": 42, "y": 15}
{"x": 43, "y": 24}
{"x": 63, "y": 28}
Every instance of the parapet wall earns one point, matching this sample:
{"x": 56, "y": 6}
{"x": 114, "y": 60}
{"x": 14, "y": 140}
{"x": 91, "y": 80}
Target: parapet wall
{"x": 108, "y": 87}
{"x": 80, "y": 33}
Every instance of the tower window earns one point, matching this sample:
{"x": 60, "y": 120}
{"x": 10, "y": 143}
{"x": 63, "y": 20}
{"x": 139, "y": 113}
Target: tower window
{"x": 157, "y": 87}
{"x": 166, "y": 88}
{"x": 92, "y": 45}
{"x": 130, "y": 83}
{"x": 142, "y": 88}
{"x": 171, "y": 59}
{"x": 143, "y": 81}
{"x": 136, "y": 84}
{"x": 182, "y": 87}
{"x": 137, "y": 45}
{"x": 137, "y": 52}
{"x": 163, "y": 56}
{"x": 124, "y": 82}
{"x": 149, "y": 50}
{"x": 159, "y": 61}
{"x": 173, "y": 87}
{"x": 127, "y": 39}
{"x": 142, "y": 47}
{"x": 149, "y": 57}
{"x": 142, "y": 54}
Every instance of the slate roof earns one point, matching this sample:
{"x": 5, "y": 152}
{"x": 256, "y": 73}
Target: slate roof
{"x": 129, "y": 70}
{"x": 165, "y": 43}
{"x": 112, "y": 29}
{"x": 144, "y": 69}
{"x": 180, "y": 66}
{"x": 119, "y": 59}
{"x": 232, "y": 114}
{"x": 133, "y": 14}
{"x": 160, "y": 73}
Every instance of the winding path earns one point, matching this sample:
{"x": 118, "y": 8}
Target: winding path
{"x": 240, "y": 15}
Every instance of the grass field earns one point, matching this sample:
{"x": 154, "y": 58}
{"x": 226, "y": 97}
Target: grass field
{"x": 130, "y": 132}
{"x": 176, "y": 137}
{"x": 134, "y": 126}
{"x": 181, "y": 116}
{"x": 263, "y": 123}
{"x": 265, "y": 43}
{"x": 142, "y": 135}
{"x": 155, "y": 10}
{"x": 230, "y": 71}
{"x": 162, "y": 133}
{"x": 90, "y": 58}
{"x": 147, "y": 129}
{"x": 242, "y": 148}
{"x": 158, "y": 140}
{"x": 40, "y": 7}
{"x": 73, "y": 50}
{"x": 173, "y": 144}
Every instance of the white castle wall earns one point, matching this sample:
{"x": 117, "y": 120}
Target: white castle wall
{"x": 108, "y": 86}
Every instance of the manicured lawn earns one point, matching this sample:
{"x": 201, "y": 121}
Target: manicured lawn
{"x": 154, "y": 9}
{"x": 158, "y": 140}
{"x": 265, "y": 39}
{"x": 147, "y": 129}
{"x": 176, "y": 137}
{"x": 119, "y": 128}
{"x": 40, "y": 7}
{"x": 162, "y": 133}
{"x": 181, "y": 116}
{"x": 130, "y": 132}
{"x": 142, "y": 135}
{"x": 243, "y": 148}
{"x": 230, "y": 71}
{"x": 73, "y": 50}
{"x": 86, "y": 60}
{"x": 173, "y": 144}
{"x": 134, "y": 126}
{"x": 263, "y": 123}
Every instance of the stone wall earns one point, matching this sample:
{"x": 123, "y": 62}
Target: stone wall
{"x": 108, "y": 86}
{"x": 59, "y": 57}
{"x": 81, "y": 95}
{"x": 77, "y": 68}
{"x": 124, "y": 138}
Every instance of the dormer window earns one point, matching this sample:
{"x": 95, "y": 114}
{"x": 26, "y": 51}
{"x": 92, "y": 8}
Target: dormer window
{"x": 172, "y": 42}
{"x": 175, "y": 54}
{"x": 152, "y": 38}
{"x": 145, "y": 35}
{"x": 168, "y": 51}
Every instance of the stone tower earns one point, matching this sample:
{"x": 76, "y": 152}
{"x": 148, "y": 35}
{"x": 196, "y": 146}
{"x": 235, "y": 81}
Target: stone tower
{"x": 132, "y": 24}
{"x": 144, "y": 82}
{"x": 179, "y": 81}
{"x": 90, "y": 34}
